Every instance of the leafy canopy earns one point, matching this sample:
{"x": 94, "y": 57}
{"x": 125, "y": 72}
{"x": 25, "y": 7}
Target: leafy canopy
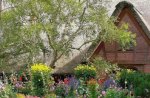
{"x": 52, "y": 27}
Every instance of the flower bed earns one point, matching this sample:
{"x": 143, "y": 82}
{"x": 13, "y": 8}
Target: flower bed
{"x": 84, "y": 84}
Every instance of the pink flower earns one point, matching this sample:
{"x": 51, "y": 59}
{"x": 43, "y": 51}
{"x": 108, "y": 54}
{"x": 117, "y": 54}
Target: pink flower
{"x": 32, "y": 97}
{"x": 103, "y": 93}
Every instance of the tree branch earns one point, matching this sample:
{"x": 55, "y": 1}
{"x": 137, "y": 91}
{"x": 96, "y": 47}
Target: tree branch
{"x": 80, "y": 26}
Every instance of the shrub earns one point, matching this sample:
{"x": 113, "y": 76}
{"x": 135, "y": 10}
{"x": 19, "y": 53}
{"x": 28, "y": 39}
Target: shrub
{"x": 85, "y": 71}
{"x": 116, "y": 93}
{"x": 40, "y": 76}
{"x": 71, "y": 93}
{"x": 104, "y": 67}
{"x": 6, "y": 91}
{"x": 138, "y": 81}
{"x": 60, "y": 90}
{"x": 92, "y": 87}
{"x": 26, "y": 89}
{"x": 52, "y": 95}
{"x": 82, "y": 89}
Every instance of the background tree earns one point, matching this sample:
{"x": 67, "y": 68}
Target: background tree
{"x": 54, "y": 27}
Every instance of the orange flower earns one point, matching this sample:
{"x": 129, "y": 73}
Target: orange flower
{"x": 92, "y": 82}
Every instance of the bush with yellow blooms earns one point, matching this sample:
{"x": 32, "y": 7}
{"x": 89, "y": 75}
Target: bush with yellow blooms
{"x": 85, "y": 71}
{"x": 40, "y": 77}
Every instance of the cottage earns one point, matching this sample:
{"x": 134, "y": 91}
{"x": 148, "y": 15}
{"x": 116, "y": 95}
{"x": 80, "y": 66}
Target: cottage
{"x": 137, "y": 57}
{"x": 135, "y": 14}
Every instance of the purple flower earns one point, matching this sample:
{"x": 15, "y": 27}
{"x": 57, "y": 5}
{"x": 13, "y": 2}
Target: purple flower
{"x": 18, "y": 85}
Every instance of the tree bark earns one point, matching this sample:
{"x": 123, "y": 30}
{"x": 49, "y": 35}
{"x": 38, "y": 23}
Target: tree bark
{"x": 52, "y": 64}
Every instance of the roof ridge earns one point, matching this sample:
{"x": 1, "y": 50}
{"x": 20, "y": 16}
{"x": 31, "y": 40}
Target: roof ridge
{"x": 137, "y": 14}
{"x": 124, "y": 3}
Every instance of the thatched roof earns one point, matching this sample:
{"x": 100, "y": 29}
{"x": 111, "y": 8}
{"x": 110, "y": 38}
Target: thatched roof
{"x": 67, "y": 65}
{"x": 71, "y": 64}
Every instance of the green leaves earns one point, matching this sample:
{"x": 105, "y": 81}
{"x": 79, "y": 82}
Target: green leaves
{"x": 63, "y": 22}
{"x": 126, "y": 37}
{"x": 136, "y": 81}
{"x": 103, "y": 67}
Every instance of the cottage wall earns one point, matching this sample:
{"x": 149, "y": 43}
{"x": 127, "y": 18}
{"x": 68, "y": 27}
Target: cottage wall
{"x": 137, "y": 57}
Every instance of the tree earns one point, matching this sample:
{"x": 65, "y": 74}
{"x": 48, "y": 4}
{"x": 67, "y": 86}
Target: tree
{"x": 30, "y": 27}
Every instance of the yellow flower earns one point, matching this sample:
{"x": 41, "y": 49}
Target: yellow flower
{"x": 20, "y": 96}
{"x": 85, "y": 67}
{"x": 40, "y": 68}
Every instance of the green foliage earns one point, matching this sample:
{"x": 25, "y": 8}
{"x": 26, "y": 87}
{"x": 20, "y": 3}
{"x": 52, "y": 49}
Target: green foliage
{"x": 124, "y": 40}
{"x": 27, "y": 89}
{"x": 85, "y": 71}
{"x": 60, "y": 90}
{"x": 82, "y": 90}
{"x": 114, "y": 93}
{"x": 50, "y": 96}
{"x": 136, "y": 81}
{"x": 71, "y": 93}
{"x": 62, "y": 22}
{"x": 102, "y": 67}
{"x": 7, "y": 92}
{"x": 40, "y": 77}
{"x": 92, "y": 87}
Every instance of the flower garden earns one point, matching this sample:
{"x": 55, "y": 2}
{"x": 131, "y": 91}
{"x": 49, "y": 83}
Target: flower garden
{"x": 86, "y": 82}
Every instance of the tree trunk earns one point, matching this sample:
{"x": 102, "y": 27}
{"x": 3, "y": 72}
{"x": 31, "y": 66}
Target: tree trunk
{"x": 44, "y": 55}
{"x": 52, "y": 64}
